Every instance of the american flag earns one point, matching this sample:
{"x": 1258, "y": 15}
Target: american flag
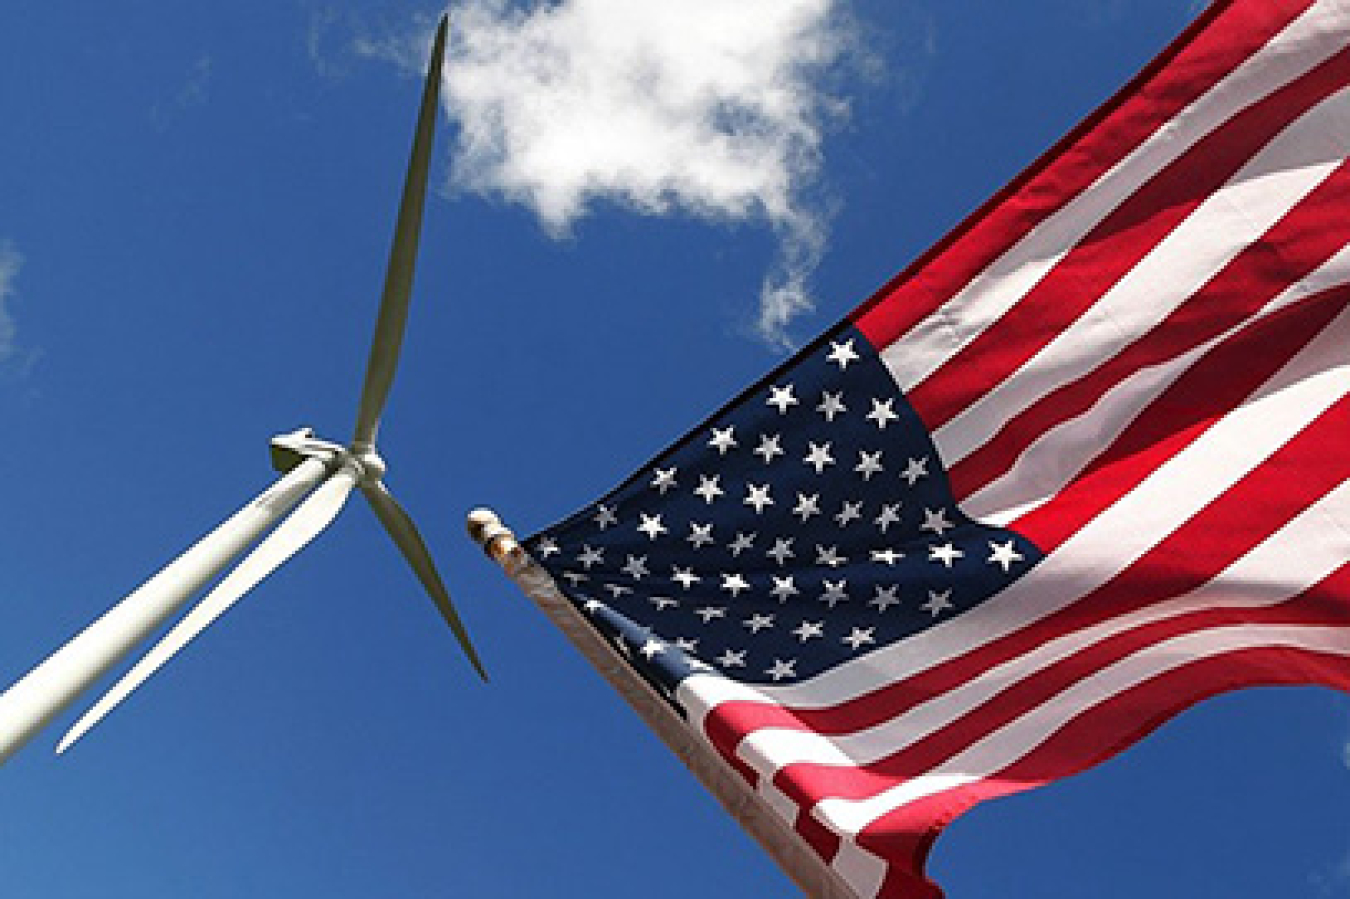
{"x": 1079, "y": 467}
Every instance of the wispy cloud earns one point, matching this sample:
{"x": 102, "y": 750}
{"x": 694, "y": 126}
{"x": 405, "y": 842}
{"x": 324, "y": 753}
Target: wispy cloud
{"x": 192, "y": 92}
{"x": 406, "y": 46}
{"x": 10, "y": 264}
{"x": 1334, "y": 879}
{"x": 695, "y": 107}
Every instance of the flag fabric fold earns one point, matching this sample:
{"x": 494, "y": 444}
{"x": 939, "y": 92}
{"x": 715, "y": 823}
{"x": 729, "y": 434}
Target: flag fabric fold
{"x": 1083, "y": 464}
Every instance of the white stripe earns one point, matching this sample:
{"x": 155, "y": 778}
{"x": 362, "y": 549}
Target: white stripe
{"x": 1057, "y": 456}
{"x": 1304, "y": 44}
{"x": 1320, "y": 536}
{"x": 1271, "y": 184}
{"x": 1008, "y": 744}
{"x": 864, "y": 872}
{"x": 699, "y": 694}
{"x": 1314, "y": 379}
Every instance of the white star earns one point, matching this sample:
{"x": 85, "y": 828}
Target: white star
{"x": 758, "y": 622}
{"x": 783, "y": 588}
{"x": 735, "y": 584}
{"x": 590, "y": 556}
{"x": 887, "y": 556}
{"x": 708, "y": 613}
{"x": 605, "y": 517}
{"x": 819, "y": 456}
{"x": 782, "y": 669}
{"x": 849, "y": 513}
{"x": 768, "y": 447}
{"x": 708, "y": 488}
{"x": 842, "y": 353}
{"x": 829, "y": 555}
{"x": 831, "y": 404}
{"x": 686, "y": 645}
{"x": 859, "y": 637}
{"x": 782, "y": 550}
{"x": 548, "y": 547}
{"x": 731, "y": 658}
{"x": 889, "y": 515}
{"x": 664, "y": 602}
{"x": 882, "y": 413}
{"x": 1004, "y": 554}
{"x": 684, "y": 576}
{"x": 652, "y": 648}
{"x": 868, "y": 464}
{"x": 808, "y": 629}
{"x": 663, "y": 480}
{"x": 834, "y": 592}
{"x": 741, "y": 543}
{"x": 757, "y": 495}
{"x": 917, "y": 468}
{"x": 651, "y": 525}
{"x": 700, "y": 535}
{"x": 807, "y": 505}
{"x": 592, "y": 605}
{"x": 618, "y": 590}
{"x": 936, "y": 521}
{"x": 947, "y": 554}
{"x": 636, "y": 567}
{"x": 937, "y": 602}
{"x": 723, "y": 440}
{"x": 886, "y": 597}
{"x": 575, "y": 578}
{"x": 781, "y": 398}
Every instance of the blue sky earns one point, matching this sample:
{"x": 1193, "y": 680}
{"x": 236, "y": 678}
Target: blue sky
{"x": 195, "y": 206}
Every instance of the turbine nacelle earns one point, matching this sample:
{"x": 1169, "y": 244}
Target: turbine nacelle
{"x": 288, "y": 451}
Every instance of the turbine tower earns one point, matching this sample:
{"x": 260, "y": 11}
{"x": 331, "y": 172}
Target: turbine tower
{"x": 317, "y": 478}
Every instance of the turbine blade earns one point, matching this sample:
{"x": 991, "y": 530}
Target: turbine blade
{"x": 393, "y": 315}
{"x": 401, "y": 528}
{"x": 50, "y": 687}
{"x": 304, "y": 524}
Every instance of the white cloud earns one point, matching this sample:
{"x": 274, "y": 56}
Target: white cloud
{"x": 10, "y": 263}
{"x": 699, "y": 107}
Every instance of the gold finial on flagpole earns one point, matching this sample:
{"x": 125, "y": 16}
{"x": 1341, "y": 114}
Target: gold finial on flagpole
{"x": 496, "y": 539}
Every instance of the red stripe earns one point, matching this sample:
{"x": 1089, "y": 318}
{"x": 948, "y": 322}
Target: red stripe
{"x": 1220, "y": 381}
{"x": 1255, "y": 507}
{"x": 819, "y": 837}
{"x": 910, "y": 882}
{"x": 1116, "y": 245}
{"x": 808, "y": 784}
{"x": 1097, "y": 734}
{"x": 1224, "y": 36}
{"x": 1298, "y": 244}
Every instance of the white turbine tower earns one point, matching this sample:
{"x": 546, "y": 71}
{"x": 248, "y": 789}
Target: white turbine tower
{"x": 318, "y": 476}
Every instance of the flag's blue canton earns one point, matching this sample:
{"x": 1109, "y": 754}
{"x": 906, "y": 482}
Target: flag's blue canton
{"x": 807, "y": 524}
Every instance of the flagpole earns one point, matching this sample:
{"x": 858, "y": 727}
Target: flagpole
{"x": 747, "y": 807}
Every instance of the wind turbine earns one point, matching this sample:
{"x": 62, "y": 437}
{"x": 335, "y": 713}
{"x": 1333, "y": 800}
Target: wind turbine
{"x": 317, "y": 478}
